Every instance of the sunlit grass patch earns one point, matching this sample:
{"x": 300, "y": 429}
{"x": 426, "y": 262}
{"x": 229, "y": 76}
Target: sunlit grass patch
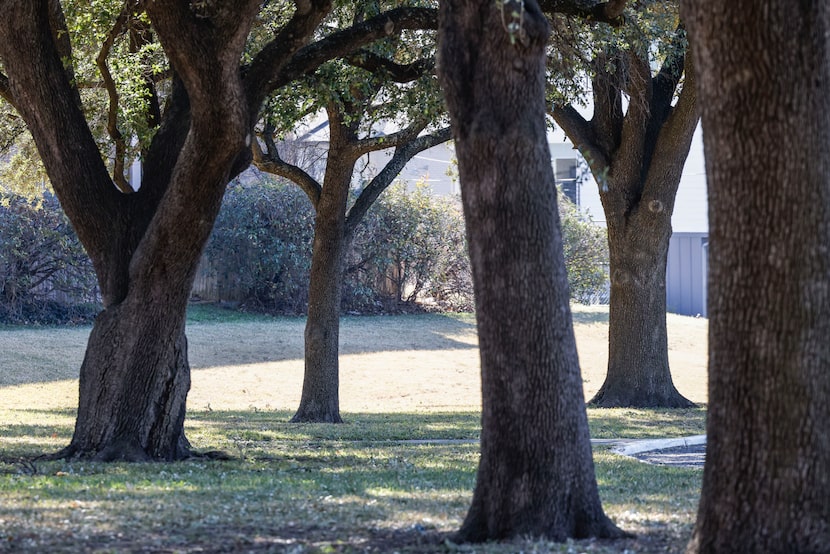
{"x": 311, "y": 488}
{"x": 632, "y": 423}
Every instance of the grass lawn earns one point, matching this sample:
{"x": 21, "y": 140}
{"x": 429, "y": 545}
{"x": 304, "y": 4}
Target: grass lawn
{"x": 316, "y": 488}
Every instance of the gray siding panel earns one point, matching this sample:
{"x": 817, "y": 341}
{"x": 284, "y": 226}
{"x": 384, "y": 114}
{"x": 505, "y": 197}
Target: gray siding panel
{"x": 686, "y": 274}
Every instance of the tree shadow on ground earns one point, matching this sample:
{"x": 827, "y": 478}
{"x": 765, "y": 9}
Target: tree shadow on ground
{"x": 31, "y": 356}
{"x": 589, "y": 317}
{"x": 312, "y": 488}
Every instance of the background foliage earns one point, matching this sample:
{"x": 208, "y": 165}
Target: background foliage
{"x": 45, "y": 275}
{"x": 408, "y": 253}
{"x": 409, "y": 245}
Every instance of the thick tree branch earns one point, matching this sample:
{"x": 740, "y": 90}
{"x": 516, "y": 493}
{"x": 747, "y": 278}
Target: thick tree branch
{"x": 398, "y": 138}
{"x": 60, "y": 36}
{"x": 601, "y": 12}
{"x": 667, "y": 79}
{"x": 631, "y": 154}
{"x": 219, "y": 122}
{"x": 582, "y": 136}
{"x": 348, "y": 40}
{"x": 271, "y": 162}
{"x": 259, "y": 79}
{"x": 675, "y": 137}
{"x": 41, "y": 91}
{"x": 118, "y": 28}
{"x": 392, "y": 169}
{"x": 216, "y": 30}
{"x": 399, "y": 73}
{"x": 607, "y": 119}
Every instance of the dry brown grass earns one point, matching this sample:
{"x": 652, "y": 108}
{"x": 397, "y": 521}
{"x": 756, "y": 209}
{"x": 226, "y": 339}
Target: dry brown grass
{"x": 388, "y": 363}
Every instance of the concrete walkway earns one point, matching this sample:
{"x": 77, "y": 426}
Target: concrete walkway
{"x": 683, "y": 451}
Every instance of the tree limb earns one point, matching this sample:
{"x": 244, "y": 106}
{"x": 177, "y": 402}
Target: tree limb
{"x": 341, "y": 43}
{"x": 667, "y": 79}
{"x": 394, "y": 140}
{"x": 259, "y": 78}
{"x": 609, "y": 12}
{"x": 676, "y": 133}
{"x": 399, "y": 73}
{"x": 118, "y": 28}
{"x": 607, "y": 119}
{"x": 582, "y": 136}
{"x": 270, "y": 161}
{"x": 631, "y": 152}
{"x": 392, "y": 169}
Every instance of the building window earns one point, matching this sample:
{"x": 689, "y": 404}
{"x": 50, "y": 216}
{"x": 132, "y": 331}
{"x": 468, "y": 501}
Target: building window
{"x": 565, "y": 175}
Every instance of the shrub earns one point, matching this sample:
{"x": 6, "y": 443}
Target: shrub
{"x": 411, "y": 249}
{"x": 409, "y": 246}
{"x": 45, "y": 275}
{"x": 586, "y": 254}
{"x": 409, "y": 252}
{"x": 260, "y": 249}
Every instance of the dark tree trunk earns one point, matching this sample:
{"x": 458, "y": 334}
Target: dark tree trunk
{"x": 536, "y": 473}
{"x": 115, "y": 423}
{"x": 764, "y": 82}
{"x": 638, "y": 356}
{"x": 320, "y": 401}
{"x": 637, "y": 159}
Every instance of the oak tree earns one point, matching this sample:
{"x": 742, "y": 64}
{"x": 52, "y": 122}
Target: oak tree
{"x": 635, "y": 143}
{"x": 359, "y": 94}
{"x": 200, "y": 103}
{"x": 536, "y": 473}
{"x": 763, "y": 81}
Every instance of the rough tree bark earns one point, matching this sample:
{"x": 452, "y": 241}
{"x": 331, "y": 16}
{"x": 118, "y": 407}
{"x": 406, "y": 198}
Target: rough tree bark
{"x": 764, "y": 76}
{"x": 637, "y": 159}
{"x": 320, "y": 399}
{"x": 536, "y": 474}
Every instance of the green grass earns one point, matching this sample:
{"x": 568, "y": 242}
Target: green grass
{"x": 366, "y": 485}
{"x": 310, "y": 488}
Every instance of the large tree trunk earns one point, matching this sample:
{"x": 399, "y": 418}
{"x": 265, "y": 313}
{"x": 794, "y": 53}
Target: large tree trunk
{"x": 637, "y": 159}
{"x": 638, "y": 358}
{"x": 764, "y": 82}
{"x": 536, "y": 474}
{"x": 115, "y": 423}
{"x": 320, "y": 401}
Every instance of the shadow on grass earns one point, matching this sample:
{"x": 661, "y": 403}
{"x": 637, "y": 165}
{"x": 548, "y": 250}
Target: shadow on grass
{"x": 255, "y": 430}
{"x": 631, "y": 423}
{"x": 335, "y": 498}
{"x": 238, "y": 338}
{"x": 587, "y": 318}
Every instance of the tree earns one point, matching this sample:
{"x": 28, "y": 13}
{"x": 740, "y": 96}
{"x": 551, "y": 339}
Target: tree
{"x": 146, "y": 245}
{"x": 764, "y": 76}
{"x": 354, "y": 101}
{"x": 536, "y": 474}
{"x": 636, "y": 155}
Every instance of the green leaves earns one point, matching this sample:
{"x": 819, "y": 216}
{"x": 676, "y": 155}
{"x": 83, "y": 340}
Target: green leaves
{"x": 586, "y": 253}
